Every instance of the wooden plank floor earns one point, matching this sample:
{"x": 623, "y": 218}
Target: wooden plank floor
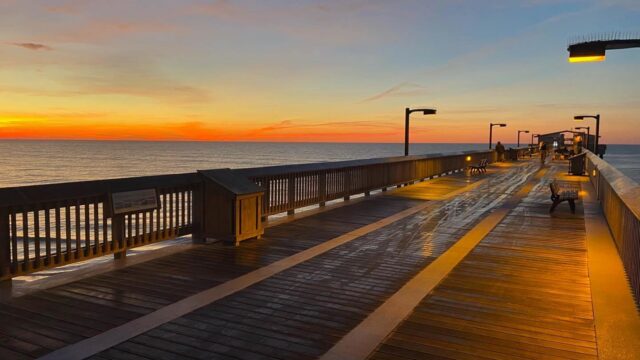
{"x": 301, "y": 312}
{"x": 35, "y": 324}
{"x": 523, "y": 292}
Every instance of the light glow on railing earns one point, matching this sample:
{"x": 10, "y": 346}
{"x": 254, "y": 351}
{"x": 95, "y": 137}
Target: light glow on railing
{"x": 468, "y": 158}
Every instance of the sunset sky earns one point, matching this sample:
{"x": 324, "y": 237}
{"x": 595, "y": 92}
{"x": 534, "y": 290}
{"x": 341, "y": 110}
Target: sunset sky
{"x": 274, "y": 70}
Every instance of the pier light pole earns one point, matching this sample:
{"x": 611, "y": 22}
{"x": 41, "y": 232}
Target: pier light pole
{"x": 491, "y": 125}
{"x": 521, "y": 131}
{"x": 532, "y": 136}
{"x": 597, "y": 117}
{"x": 408, "y": 112}
{"x": 586, "y": 143}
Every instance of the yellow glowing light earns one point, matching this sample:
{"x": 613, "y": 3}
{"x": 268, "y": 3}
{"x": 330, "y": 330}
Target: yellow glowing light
{"x": 594, "y": 172}
{"x": 468, "y": 158}
{"x": 576, "y": 59}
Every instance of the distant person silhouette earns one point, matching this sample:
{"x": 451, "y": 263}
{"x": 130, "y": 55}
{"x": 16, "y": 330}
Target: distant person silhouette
{"x": 543, "y": 152}
{"x": 500, "y": 151}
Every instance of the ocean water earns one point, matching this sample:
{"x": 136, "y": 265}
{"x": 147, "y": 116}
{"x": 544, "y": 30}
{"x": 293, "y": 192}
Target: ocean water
{"x": 625, "y": 158}
{"x": 41, "y": 162}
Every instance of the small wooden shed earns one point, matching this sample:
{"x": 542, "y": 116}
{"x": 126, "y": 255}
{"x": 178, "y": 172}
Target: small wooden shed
{"x": 232, "y": 206}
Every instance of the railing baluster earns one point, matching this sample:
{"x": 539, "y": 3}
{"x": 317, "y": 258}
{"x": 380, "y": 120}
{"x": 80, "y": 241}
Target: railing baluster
{"x": 107, "y": 246}
{"x": 26, "y": 265}
{"x": 137, "y": 240}
{"x": 97, "y": 249}
{"x": 87, "y": 230}
{"x": 145, "y": 233}
{"x": 14, "y": 243}
{"x": 165, "y": 227}
{"x": 36, "y": 238}
{"x": 68, "y": 250}
{"x": 129, "y": 239}
{"x": 47, "y": 235}
{"x": 171, "y": 214}
{"x": 77, "y": 223}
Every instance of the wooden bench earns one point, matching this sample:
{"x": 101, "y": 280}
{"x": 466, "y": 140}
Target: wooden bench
{"x": 481, "y": 168}
{"x": 560, "y": 193}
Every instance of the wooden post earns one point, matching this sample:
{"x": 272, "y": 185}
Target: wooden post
{"x": 347, "y": 184}
{"x": 117, "y": 233}
{"x": 5, "y": 255}
{"x": 322, "y": 188}
{"x": 197, "y": 205}
{"x": 291, "y": 195}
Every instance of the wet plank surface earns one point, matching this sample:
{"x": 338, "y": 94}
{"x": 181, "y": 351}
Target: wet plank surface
{"x": 65, "y": 314}
{"x": 523, "y": 292}
{"x": 35, "y": 324}
{"x": 297, "y": 313}
{"x": 301, "y": 312}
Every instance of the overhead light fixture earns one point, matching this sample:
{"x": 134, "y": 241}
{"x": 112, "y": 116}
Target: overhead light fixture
{"x": 594, "y": 50}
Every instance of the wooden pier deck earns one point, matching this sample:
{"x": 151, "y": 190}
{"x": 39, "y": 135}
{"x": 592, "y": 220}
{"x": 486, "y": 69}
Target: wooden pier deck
{"x": 312, "y": 285}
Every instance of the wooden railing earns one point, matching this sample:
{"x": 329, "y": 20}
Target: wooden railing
{"x": 290, "y": 187}
{"x": 619, "y": 199}
{"x": 47, "y": 226}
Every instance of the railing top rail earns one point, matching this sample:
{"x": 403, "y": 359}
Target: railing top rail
{"x": 627, "y": 189}
{"x": 22, "y": 195}
{"x": 334, "y": 165}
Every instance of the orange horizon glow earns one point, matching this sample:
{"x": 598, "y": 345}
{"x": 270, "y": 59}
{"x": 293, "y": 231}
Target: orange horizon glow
{"x": 202, "y": 131}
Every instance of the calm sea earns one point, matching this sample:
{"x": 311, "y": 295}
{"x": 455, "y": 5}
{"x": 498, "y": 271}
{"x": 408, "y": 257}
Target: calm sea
{"x": 41, "y": 162}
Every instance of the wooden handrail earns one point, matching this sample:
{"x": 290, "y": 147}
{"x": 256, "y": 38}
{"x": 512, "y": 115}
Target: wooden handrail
{"x": 45, "y": 226}
{"x": 619, "y": 198}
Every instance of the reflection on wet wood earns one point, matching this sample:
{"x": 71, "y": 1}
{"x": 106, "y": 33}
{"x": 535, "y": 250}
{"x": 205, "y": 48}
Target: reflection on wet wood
{"x": 524, "y": 291}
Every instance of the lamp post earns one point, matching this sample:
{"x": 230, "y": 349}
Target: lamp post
{"x": 491, "y": 125}
{"x": 407, "y": 112}
{"x": 597, "y": 117}
{"x": 532, "y": 136}
{"x": 586, "y": 143}
{"x": 521, "y": 131}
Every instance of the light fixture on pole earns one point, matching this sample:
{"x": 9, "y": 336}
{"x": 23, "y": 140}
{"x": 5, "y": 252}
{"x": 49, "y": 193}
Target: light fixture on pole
{"x": 595, "y": 49}
{"x": 521, "y": 131}
{"x": 597, "y": 118}
{"x": 407, "y": 112}
{"x": 491, "y": 125}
